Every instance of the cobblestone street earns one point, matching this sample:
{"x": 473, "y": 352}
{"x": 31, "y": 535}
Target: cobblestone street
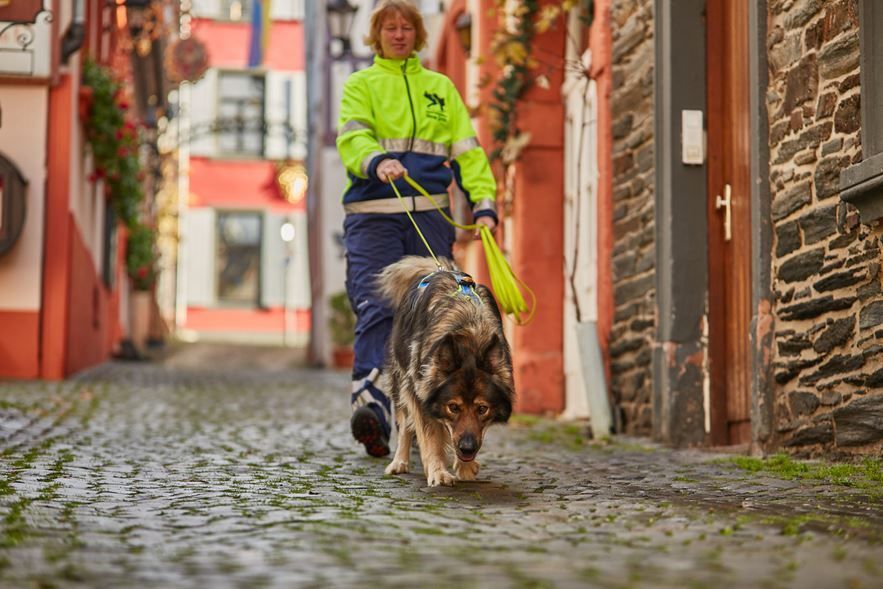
{"x": 150, "y": 475}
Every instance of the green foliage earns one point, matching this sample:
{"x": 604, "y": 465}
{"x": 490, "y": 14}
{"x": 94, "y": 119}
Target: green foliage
{"x": 513, "y": 50}
{"x": 114, "y": 142}
{"x": 866, "y": 475}
{"x": 141, "y": 256}
{"x": 342, "y": 321}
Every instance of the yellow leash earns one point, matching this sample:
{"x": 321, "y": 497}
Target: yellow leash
{"x": 503, "y": 281}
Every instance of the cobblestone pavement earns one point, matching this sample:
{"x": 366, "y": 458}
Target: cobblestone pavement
{"x": 140, "y": 475}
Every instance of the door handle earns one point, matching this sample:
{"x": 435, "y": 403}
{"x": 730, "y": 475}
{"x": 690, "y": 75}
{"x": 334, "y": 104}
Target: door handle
{"x": 726, "y": 203}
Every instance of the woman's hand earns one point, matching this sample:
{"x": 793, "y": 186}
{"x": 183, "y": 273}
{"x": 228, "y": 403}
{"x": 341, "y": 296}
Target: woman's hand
{"x": 390, "y": 169}
{"x": 487, "y": 221}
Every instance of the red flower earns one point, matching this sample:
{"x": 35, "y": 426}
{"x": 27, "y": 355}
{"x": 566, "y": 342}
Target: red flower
{"x": 123, "y": 105}
{"x": 122, "y": 152}
{"x": 142, "y": 272}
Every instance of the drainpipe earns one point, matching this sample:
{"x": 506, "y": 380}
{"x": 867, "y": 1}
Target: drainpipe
{"x": 75, "y": 33}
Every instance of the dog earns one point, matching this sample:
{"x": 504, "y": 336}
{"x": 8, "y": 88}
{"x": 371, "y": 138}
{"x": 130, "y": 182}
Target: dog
{"x": 448, "y": 366}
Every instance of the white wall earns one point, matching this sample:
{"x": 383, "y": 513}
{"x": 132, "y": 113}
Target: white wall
{"x": 287, "y": 9}
{"x": 283, "y": 105}
{"x": 35, "y": 58}
{"x": 23, "y": 140}
{"x": 279, "y": 9}
{"x": 199, "y": 257}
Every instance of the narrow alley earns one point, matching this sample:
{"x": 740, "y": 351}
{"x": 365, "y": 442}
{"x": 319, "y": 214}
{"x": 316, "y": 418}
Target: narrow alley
{"x": 165, "y": 475}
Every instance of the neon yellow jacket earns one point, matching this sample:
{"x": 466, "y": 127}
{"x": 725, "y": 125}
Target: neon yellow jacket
{"x": 399, "y": 109}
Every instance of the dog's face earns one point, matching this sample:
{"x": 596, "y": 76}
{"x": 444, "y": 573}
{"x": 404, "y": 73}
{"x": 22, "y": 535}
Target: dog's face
{"x": 471, "y": 390}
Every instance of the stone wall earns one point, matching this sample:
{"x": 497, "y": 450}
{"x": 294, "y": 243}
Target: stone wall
{"x": 634, "y": 254}
{"x": 826, "y": 264}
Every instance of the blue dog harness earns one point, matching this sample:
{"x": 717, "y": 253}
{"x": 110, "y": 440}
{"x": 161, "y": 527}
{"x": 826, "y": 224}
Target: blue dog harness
{"x": 465, "y": 285}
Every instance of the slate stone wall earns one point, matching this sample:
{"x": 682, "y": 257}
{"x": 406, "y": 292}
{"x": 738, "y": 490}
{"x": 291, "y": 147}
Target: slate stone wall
{"x": 634, "y": 253}
{"x": 826, "y": 263}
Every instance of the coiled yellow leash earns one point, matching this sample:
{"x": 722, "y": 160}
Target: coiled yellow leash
{"x": 506, "y": 286}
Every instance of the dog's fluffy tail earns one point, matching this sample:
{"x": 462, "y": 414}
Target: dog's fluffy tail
{"x": 397, "y": 279}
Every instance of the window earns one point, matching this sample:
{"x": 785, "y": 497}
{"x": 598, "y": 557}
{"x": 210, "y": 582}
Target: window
{"x": 240, "y": 113}
{"x": 238, "y": 259}
{"x": 861, "y": 184}
{"x": 109, "y": 250}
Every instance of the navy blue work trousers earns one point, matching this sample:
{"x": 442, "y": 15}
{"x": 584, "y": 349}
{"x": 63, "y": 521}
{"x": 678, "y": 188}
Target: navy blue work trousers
{"x": 373, "y": 241}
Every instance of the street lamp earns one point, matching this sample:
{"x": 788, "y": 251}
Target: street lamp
{"x": 286, "y": 232}
{"x": 340, "y": 21}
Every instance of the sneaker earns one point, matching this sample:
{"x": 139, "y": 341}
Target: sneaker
{"x": 368, "y": 427}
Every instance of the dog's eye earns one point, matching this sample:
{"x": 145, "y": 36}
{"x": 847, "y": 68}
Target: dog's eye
{"x": 453, "y": 408}
{"x": 482, "y": 409}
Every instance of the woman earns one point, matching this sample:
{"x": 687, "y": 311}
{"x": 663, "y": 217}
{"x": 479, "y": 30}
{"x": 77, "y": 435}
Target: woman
{"x": 397, "y": 117}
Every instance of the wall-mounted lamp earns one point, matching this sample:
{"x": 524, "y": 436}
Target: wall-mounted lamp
{"x": 340, "y": 21}
{"x": 463, "y": 26}
{"x": 293, "y": 181}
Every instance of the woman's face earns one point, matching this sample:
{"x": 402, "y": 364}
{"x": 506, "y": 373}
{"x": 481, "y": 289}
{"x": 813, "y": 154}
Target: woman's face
{"x": 397, "y": 36}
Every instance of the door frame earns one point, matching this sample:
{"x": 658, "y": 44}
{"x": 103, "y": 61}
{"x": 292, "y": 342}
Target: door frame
{"x": 681, "y": 395}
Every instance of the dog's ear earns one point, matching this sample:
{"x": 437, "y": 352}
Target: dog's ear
{"x": 447, "y": 353}
{"x": 492, "y": 354}
{"x": 502, "y": 407}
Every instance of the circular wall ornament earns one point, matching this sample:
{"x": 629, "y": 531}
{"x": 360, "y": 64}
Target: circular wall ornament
{"x": 186, "y": 60}
{"x": 12, "y": 204}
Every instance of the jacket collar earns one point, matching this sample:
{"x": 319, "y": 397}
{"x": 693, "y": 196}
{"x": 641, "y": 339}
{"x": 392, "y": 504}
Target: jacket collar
{"x": 412, "y": 64}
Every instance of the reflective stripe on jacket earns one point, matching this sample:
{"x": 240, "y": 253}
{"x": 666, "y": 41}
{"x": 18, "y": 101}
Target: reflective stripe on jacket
{"x": 398, "y": 109}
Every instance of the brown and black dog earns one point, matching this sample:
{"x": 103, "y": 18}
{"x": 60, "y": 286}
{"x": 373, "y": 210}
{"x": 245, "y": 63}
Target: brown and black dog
{"x": 448, "y": 364}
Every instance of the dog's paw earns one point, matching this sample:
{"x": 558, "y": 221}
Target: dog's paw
{"x": 397, "y": 467}
{"x": 440, "y": 477}
{"x": 467, "y": 471}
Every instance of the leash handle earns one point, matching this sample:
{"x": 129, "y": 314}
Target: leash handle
{"x": 506, "y": 285}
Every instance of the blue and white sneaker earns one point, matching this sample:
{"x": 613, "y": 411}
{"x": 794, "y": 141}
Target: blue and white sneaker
{"x": 370, "y": 422}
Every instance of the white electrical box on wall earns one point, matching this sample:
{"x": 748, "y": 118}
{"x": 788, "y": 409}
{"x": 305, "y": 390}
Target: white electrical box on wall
{"x": 692, "y": 138}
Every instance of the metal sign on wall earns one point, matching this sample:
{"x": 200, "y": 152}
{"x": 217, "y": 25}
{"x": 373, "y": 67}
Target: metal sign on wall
{"x": 25, "y": 37}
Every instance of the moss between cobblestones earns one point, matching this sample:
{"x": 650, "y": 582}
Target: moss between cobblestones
{"x": 866, "y": 475}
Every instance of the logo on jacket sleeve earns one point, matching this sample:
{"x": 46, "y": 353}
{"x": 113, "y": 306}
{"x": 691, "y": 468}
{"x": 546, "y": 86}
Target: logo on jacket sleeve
{"x": 435, "y": 108}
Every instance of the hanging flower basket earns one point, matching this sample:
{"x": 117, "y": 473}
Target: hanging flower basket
{"x": 141, "y": 257}
{"x": 114, "y": 141}
{"x": 84, "y": 103}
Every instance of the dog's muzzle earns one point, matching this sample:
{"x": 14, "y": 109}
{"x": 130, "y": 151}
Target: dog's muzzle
{"x": 467, "y": 448}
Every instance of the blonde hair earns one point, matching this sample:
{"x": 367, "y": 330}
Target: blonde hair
{"x": 408, "y": 11}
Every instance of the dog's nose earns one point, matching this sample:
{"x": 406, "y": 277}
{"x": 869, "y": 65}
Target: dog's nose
{"x": 468, "y": 445}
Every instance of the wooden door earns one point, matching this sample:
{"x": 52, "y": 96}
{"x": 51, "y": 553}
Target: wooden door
{"x": 729, "y": 249}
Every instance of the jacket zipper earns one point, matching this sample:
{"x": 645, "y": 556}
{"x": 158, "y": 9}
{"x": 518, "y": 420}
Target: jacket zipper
{"x": 411, "y": 103}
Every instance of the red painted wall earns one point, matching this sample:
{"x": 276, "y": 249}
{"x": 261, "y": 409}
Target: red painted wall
{"x": 600, "y": 42}
{"x": 228, "y": 42}
{"x": 19, "y": 344}
{"x": 246, "y": 320}
{"x": 56, "y": 258}
{"x": 232, "y": 183}
{"x": 538, "y": 252}
{"x": 537, "y": 213}
{"x": 90, "y": 317}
